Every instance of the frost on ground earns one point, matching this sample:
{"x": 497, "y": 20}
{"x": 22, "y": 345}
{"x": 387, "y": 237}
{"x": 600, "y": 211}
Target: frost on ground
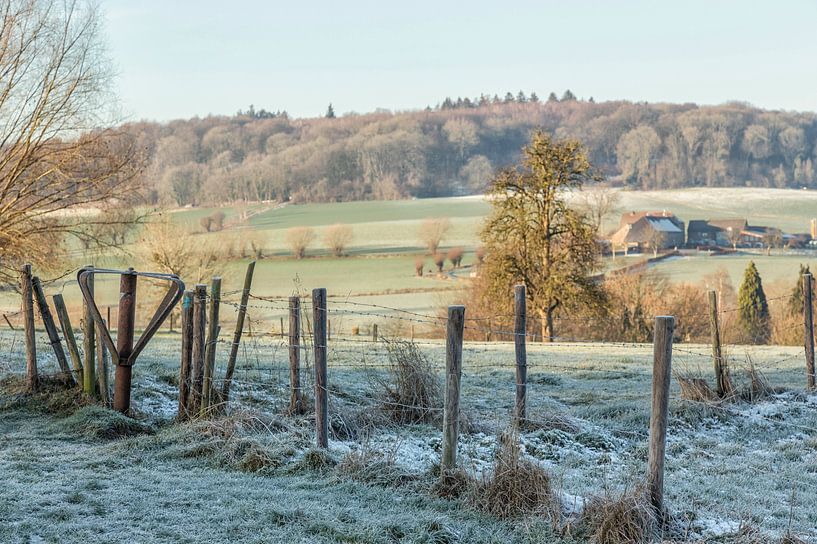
{"x": 728, "y": 466}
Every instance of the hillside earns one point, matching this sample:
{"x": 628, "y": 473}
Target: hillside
{"x": 454, "y": 149}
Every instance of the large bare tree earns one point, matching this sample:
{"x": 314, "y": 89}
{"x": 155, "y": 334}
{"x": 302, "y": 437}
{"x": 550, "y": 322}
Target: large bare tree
{"x": 60, "y": 160}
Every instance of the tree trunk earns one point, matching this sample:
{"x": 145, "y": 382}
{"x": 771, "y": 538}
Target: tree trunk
{"x": 546, "y": 319}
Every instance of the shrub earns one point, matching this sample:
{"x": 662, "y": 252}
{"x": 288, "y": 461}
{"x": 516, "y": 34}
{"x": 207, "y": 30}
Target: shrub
{"x": 206, "y": 223}
{"x": 298, "y": 239}
{"x": 433, "y": 231}
{"x": 480, "y": 255}
{"x": 455, "y": 255}
{"x": 419, "y": 263}
{"x": 337, "y": 238}
{"x": 439, "y": 260}
{"x": 412, "y": 391}
{"x": 217, "y": 220}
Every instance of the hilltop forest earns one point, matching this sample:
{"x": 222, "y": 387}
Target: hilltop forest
{"x": 455, "y": 147}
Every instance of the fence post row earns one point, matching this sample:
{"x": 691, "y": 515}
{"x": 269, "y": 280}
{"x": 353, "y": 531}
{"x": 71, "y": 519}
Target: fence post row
{"x": 124, "y": 341}
{"x": 520, "y": 349}
{"x": 453, "y": 374}
{"x": 88, "y": 342}
{"x": 186, "y": 355}
{"x": 321, "y": 381}
{"x": 662, "y": 368}
{"x": 210, "y": 348}
{"x": 51, "y": 329}
{"x": 808, "y": 325}
{"x": 26, "y": 288}
{"x": 199, "y": 325}
{"x": 295, "y": 398}
{"x": 239, "y": 327}
{"x": 68, "y": 334}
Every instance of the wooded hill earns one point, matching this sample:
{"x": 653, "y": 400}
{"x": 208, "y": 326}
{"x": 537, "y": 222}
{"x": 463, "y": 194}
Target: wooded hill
{"x": 454, "y": 149}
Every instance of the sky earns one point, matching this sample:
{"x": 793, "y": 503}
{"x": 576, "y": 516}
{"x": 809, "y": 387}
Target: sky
{"x": 184, "y": 58}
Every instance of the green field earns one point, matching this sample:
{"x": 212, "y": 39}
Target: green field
{"x": 379, "y": 266}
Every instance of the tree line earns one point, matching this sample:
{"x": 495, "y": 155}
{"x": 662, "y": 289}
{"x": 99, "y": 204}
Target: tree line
{"x": 456, "y": 147}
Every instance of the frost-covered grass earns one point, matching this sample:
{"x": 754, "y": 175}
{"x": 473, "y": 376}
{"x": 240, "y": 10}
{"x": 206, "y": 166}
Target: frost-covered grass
{"x": 253, "y": 477}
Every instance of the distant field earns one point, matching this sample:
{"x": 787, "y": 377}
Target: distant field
{"x": 379, "y": 268}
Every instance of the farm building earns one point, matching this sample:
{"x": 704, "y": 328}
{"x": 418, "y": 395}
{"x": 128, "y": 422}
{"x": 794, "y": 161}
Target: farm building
{"x": 648, "y": 231}
{"x": 732, "y": 232}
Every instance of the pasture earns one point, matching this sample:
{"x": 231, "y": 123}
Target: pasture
{"x": 251, "y": 476}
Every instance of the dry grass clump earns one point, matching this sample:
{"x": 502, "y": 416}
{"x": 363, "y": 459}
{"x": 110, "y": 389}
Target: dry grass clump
{"x": 238, "y": 424}
{"x": 758, "y": 387}
{"x": 54, "y": 395}
{"x": 451, "y": 484}
{"x": 99, "y": 422}
{"x": 516, "y": 487}
{"x": 412, "y": 391}
{"x": 624, "y": 519}
{"x": 695, "y": 388}
{"x": 372, "y": 467}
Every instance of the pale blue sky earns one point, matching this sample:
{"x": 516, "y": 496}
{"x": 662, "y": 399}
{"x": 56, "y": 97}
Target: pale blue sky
{"x": 180, "y": 58}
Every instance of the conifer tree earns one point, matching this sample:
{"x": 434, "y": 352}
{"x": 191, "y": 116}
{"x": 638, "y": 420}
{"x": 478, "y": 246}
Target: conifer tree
{"x": 330, "y": 112}
{"x": 753, "y": 309}
{"x": 552, "y": 97}
{"x": 796, "y": 299}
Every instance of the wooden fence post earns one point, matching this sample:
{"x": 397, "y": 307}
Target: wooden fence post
{"x": 723, "y": 384}
{"x": 210, "y": 348}
{"x": 88, "y": 345}
{"x": 239, "y": 328}
{"x": 102, "y": 372}
{"x": 51, "y": 329}
{"x": 126, "y": 314}
{"x": 808, "y": 325}
{"x": 662, "y": 370}
{"x": 26, "y": 288}
{"x": 374, "y": 332}
{"x": 453, "y": 373}
{"x": 199, "y": 327}
{"x": 187, "y": 354}
{"x": 520, "y": 338}
{"x": 68, "y": 334}
{"x": 295, "y": 397}
{"x": 321, "y": 378}
{"x": 282, "y": 326}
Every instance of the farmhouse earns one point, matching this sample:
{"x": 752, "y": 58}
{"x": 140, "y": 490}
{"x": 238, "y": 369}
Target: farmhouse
{"x": 648, "y": 230}
{"x": 733, "y": 232}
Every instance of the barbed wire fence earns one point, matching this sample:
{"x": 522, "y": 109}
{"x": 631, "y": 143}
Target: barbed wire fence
{"x": 338, "y": 338}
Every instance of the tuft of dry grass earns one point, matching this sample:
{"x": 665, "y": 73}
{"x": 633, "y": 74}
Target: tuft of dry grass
{"x": 372, "y": 467}
{"x": 54, "y": 396}
{"x": 758, "y": 387}
{"x": 516, "y": 486}
{"x": 624, "y": 519}
{"x": 695, "y": 388}
{"x": 412, "y": 391}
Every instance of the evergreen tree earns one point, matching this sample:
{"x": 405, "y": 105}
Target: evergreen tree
{"x": 330, "y": 112}
{"x": 568, "y": 96}
{"x": 797, "y": 298}
{"x": 508, "y": 97}
{"x": 521, "y": 98}
{"x": 552, "y": 97}
{"x": 753, "y": 309}
{"x": 534, "y": 97}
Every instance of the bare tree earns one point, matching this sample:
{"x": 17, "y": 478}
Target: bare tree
{"x": 56, "y": 152}
{"x": 598, "y": 203}
{"x": 433, "y": 231}
{"x": 655, "y": 241}
{"x": 298, "y": 239}
{"x": 455, "y": 255}
{"x": 165, "y": 247}
{"x": 734, "y": 235}
{"x": 337, "y": 238}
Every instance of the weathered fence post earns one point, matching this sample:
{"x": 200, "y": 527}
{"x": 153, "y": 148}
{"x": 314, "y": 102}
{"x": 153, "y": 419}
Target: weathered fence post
{"x": 295, "y": 397}
{"x": 88, "y": 344}
{"x": 102, "y": 372}
{"x": 723, "y": 384}
{"x": 662, "y": 369}
{"x": 808, "y": 325}
{"x": 321, "y": 378}
{"x": 453, "y": 373}
{"x": 374, "y": 332}
{"x": 520, "y": 337}
{"x": 68, "y": 334}
{"x": 282, "y": 326}
{"x": 239, "y": 328}
{"x": 26, "y": 288}
{"x": 124, "y": 341}
{"x": 199, "y": 327}
{"x": 210, "y": 349}
{"x": 51, "y": 329}
{"x": 187, "y": 354}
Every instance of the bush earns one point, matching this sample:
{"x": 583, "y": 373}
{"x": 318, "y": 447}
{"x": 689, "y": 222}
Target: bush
{"x": 206, "y": 223}
{"x": 217, "y": 221}
{"x": 298, "y": 239}
{"x": 419, "y": 264}
{"x": 455, "y": 255}
{"x": 337, "y": 238}
{"x": 412, "y": 391}
{"x": 439, "y": 260}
